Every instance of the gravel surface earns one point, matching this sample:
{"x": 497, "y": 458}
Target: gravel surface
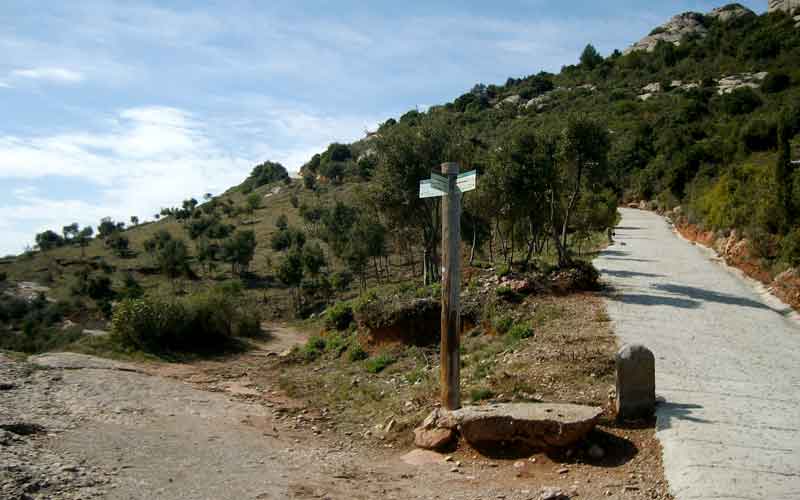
{"x": 727, "y": 363}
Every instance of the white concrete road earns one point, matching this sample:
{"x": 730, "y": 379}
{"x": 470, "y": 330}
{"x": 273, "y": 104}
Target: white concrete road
{"x": 727, "y": 364}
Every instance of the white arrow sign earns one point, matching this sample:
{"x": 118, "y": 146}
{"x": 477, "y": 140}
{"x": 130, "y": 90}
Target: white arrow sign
{"x": 426, "y": 190}
{"x": 467, "y": 181}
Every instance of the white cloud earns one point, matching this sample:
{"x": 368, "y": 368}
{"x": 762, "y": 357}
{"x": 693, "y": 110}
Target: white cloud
{"x": 147, "y": 158}
{"x": 51, "y": 74}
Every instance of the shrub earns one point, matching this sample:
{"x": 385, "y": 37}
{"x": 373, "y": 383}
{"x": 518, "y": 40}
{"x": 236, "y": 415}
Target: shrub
{"x": 339, "y": 317}
{"x": 776, "y": 82}
{"x": 341, "y": 280}
{"x": 790, "y": 248}
{"x": 3, "y": 277}
{"x": 313, "y": 348}
{"x": 356, "y": 352}
{"x": 203, "y": 322}
{"x": 336, "y": 344}
{"x": 480, "y": 394}
{"x": 508, "y": 294}
{"x": 503, "y": 270}
{"x": 521, "y": 331}
{"x": 379, "y": 363}
{"x": 502, "y": 324}
{"x": 740, "y": 102}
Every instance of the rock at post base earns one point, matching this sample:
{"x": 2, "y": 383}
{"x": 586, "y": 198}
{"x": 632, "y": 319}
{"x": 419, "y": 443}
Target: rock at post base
{"x": 433, "y": 439}
{"x": 534, "y": 425}
{"x": 636, "y": 382}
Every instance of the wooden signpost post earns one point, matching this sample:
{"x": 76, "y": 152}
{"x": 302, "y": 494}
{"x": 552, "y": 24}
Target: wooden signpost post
{"x": 449, "y": 187}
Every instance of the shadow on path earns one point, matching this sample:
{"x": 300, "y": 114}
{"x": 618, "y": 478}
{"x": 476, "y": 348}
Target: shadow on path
{"x": 703, "y": 294}
{"x": 629, "y": 274}
{"x": 667, "y": 412}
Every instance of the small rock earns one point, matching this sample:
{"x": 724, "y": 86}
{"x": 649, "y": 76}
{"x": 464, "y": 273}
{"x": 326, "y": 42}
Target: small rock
{"x": 563, "y": 470}
{"x": 551, "y": 493}
{"x": 433, "y": 439}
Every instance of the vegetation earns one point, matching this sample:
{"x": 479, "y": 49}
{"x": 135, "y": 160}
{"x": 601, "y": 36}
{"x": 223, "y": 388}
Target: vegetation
{"x": 551, "y": 171}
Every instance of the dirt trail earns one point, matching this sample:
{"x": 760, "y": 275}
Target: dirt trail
{"x": 102, "y": 429}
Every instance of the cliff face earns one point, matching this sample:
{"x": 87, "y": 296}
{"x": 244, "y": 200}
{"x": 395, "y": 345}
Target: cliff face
{"x": 785, "y": 5}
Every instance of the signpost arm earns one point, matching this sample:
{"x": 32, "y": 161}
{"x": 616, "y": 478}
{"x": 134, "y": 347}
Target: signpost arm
{"x": 451, "y": 284}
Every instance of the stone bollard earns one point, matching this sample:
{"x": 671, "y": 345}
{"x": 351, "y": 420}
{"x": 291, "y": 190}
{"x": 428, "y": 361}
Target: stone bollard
{"x": 636, "y": 382}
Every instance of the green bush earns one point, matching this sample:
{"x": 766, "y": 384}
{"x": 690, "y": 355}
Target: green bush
{"x": 204, "y": 322}
{"x": 341, "y": 280}
{"x": 339, "y": 316}
{"x": 314, "y": 348}
{"x": 503, "y": 270}
{"x": 502, "y": 324}
{"x": 776, "y": 82}
{"x": 480, "y": 394}
{"x": 356, "y": 352}
{"x": 379, "y": 363}
{"x": 790, "y": 248}
{"x": 521, "y": 331}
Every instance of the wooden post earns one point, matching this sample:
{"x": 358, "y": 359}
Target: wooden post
{"x": 451, "y": 285}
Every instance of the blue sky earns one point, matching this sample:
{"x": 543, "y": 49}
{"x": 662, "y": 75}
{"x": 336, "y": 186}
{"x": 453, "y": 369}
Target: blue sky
{"x": 113, "y": 108}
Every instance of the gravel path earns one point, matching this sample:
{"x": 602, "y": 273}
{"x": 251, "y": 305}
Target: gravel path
{"x": 727, "y": 363}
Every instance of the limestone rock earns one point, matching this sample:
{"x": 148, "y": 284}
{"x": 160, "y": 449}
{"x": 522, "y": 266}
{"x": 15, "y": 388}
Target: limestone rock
{"x": 673, "y": 31}
{"x": 636, "y": 382}
{"x": 728, "y": 84}
{"x": 537, "y": 425}
{"x": 784, "y": 5}
{"x": 730, "y": 12}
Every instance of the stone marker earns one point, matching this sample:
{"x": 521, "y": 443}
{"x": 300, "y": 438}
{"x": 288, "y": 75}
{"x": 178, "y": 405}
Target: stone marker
{"x": 636, "y": 382}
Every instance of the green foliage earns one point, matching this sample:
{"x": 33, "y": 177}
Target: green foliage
{"x": 481, "y": 394}
{"x": 502, "y": 324}
{"x": 776, "y": 82}
{"x": 204, "y": 322}
{"x": 740, "y": 101}
{"x": 356, "y": 353}
{"x": 339, "y": 316}
{"x": 313, "y": 348}
{"x": 590, "y": 58}
{"x": 239, "y": 250}
{"x": 379, "y": 363}
{"x": 521, "y": 331}
{"x": 790, "y": 248}
{"x": 265, "y": 173}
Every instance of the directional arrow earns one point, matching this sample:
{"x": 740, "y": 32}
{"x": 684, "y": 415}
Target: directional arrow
{"x": 467, "y": 181}
{"x": 427, "y": 190}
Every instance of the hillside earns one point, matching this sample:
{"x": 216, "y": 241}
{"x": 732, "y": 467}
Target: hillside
{"x": 703, "y": 113}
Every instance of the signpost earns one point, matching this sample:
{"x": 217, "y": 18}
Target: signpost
{"x": 450, "y": 186}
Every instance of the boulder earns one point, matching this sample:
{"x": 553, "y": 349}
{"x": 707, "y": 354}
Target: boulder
{"x": 636, "y": 382}
{"x": 534, "y": 425}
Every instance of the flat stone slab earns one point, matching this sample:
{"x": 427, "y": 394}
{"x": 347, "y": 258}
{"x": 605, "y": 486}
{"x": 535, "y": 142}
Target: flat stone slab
{"x": 537, "y": 425}
{"x": 422, "y": 457}
{"x": 75, "y": 361}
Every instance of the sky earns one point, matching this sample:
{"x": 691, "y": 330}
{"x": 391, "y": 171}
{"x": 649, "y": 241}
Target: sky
{"x": 118, "y": 108}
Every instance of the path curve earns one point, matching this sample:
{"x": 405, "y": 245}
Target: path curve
{"x": 727, "y": 363}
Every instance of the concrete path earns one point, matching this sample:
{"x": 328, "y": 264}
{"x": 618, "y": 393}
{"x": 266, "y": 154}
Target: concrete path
{"x": 727, "y": 364}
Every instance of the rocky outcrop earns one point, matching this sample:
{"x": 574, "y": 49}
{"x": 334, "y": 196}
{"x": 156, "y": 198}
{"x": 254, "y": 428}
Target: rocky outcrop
{"x": 690, "y": 24}
{"x": 728, "y": 84}
{"x": 730, "y": 12}
{"x": 784, "y": 5}
{"x": 673, "y": 31}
